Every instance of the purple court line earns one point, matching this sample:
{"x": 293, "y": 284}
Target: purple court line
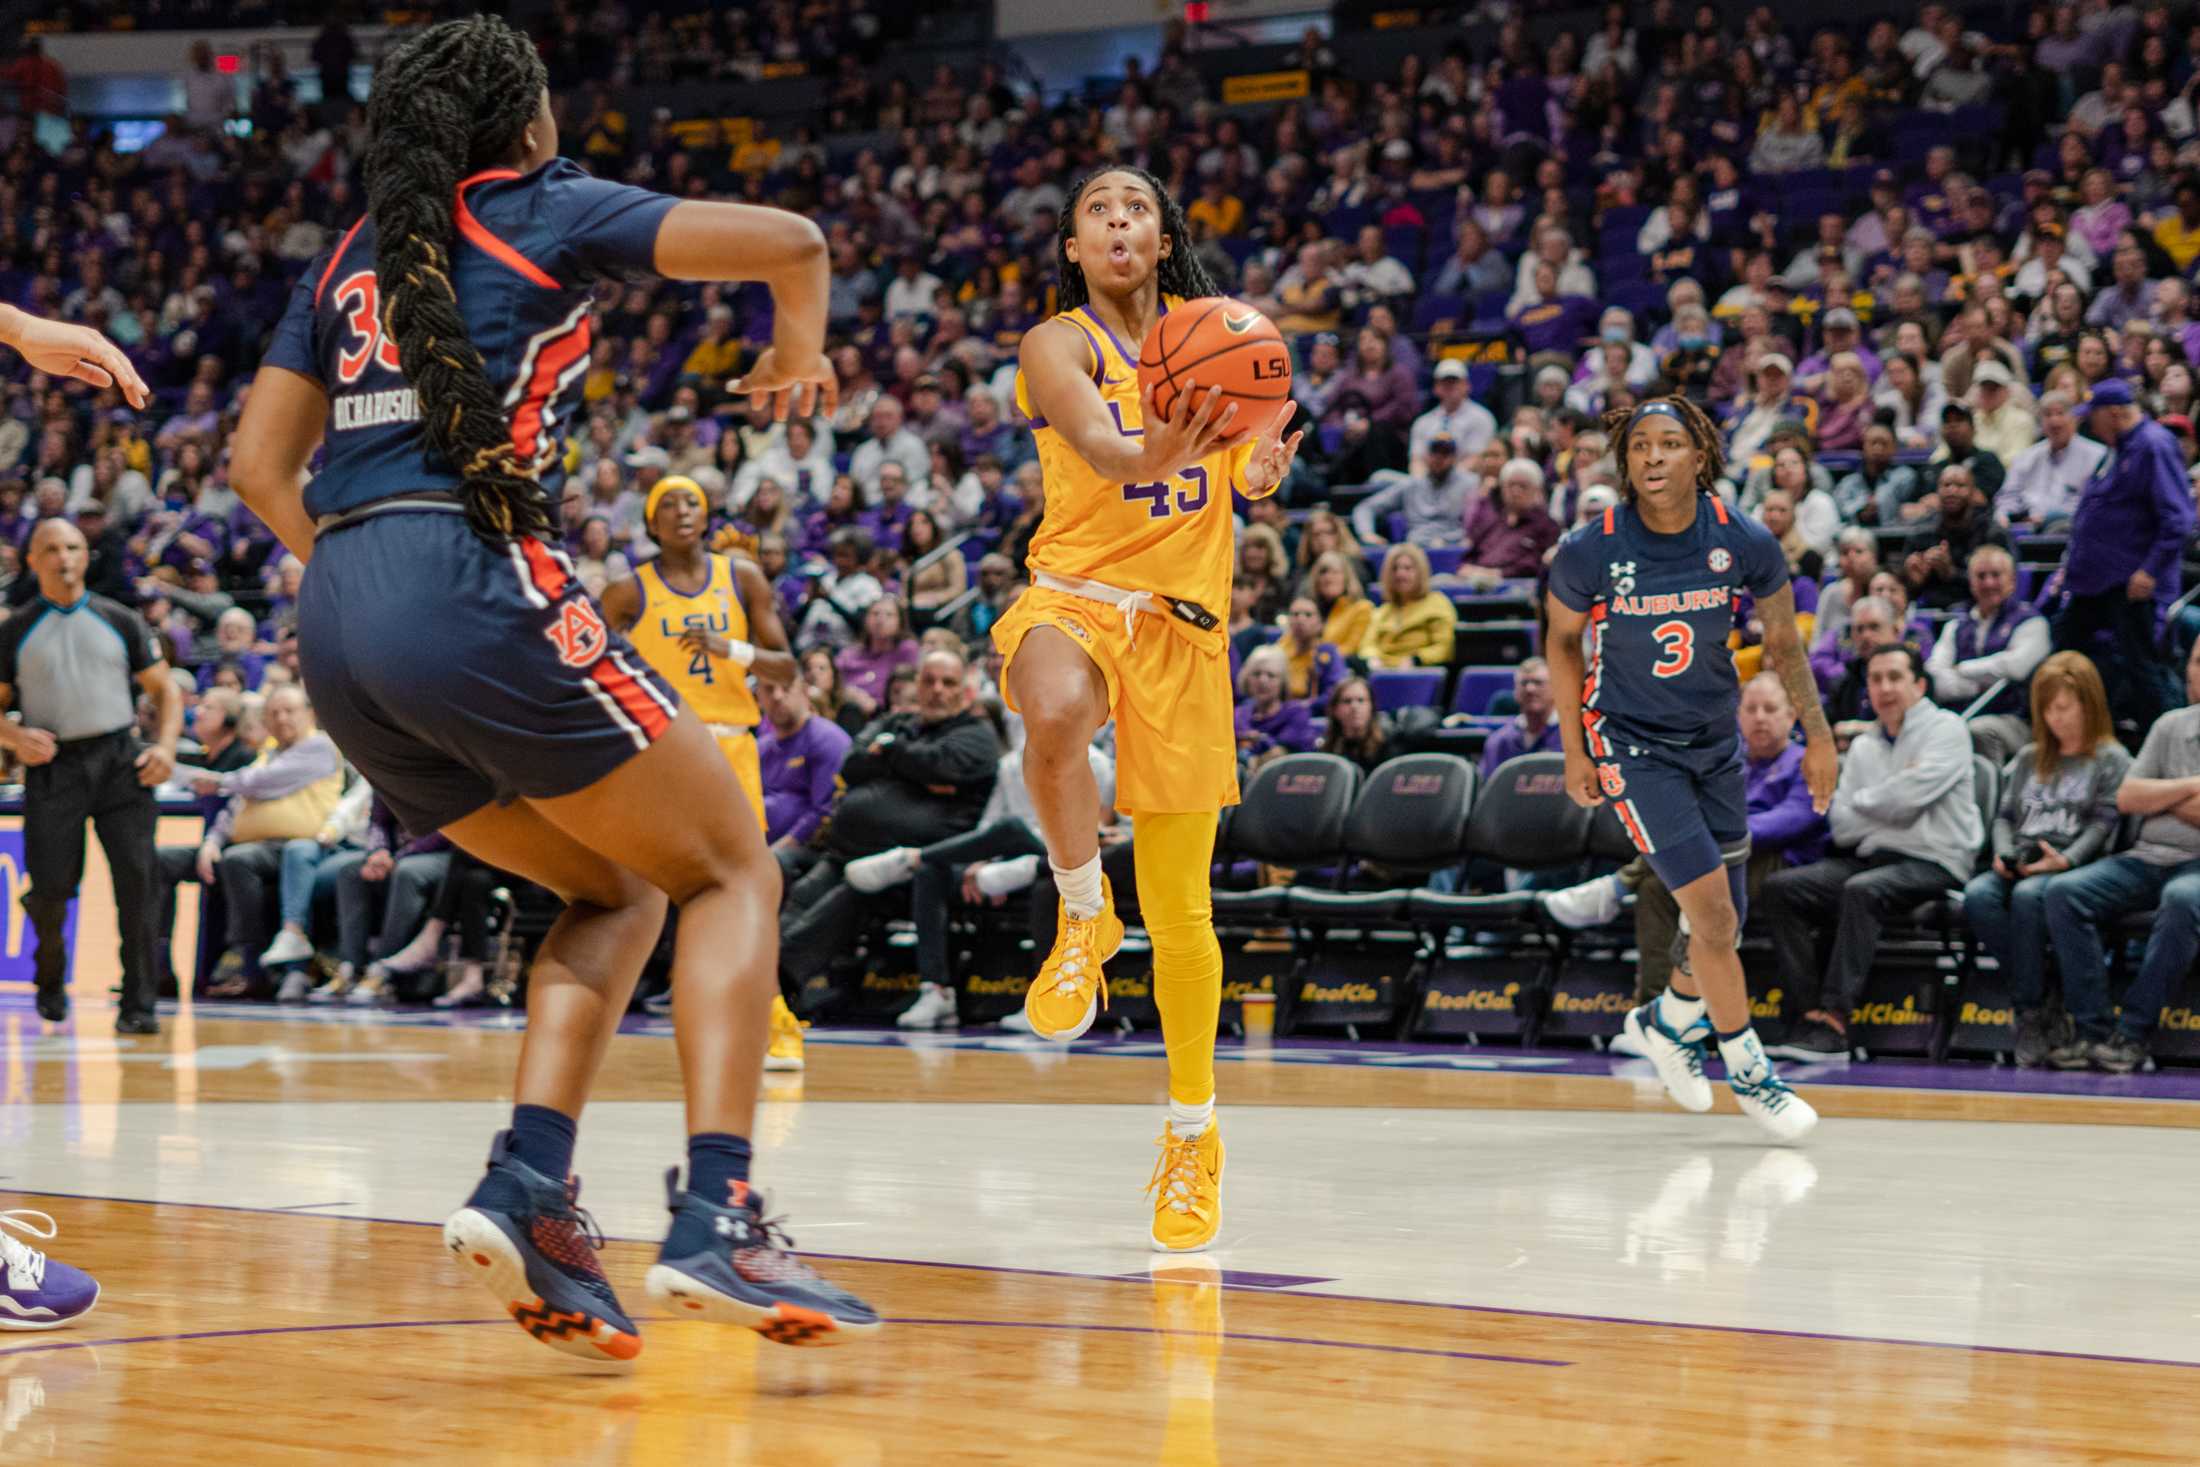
{"x": 1112, "y": 1278}
{"x": 307, "y": 1206}
{"x": 1110, "y": 1329}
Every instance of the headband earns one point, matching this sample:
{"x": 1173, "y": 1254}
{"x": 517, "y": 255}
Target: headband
{"x": 667, "y": 485}
{"x": 1660, "y": 409}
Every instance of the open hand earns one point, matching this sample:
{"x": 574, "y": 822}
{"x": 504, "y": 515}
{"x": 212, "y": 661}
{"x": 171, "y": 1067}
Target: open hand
{"x": 79, "y": 352}
{"x": 1270, "y": 465}
{"x": 1581, "y": 782}
{"x": 802, "y": 387}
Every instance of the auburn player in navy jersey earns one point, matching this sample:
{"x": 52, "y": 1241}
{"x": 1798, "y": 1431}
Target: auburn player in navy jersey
{"x": 1641, "y": 600}
{"x": 438, "y": 350}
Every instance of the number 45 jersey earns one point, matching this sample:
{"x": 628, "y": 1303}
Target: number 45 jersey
{"x": 1660, "y": 608}
{"x": 1173, "y": 539}
{"x": 529, "y": 249}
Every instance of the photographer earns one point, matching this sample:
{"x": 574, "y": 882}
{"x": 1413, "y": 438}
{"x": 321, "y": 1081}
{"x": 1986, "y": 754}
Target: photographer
{"x": 2059, "y": 812}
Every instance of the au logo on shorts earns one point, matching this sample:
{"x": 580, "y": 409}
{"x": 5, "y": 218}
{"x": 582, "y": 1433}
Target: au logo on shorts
{"x": 1721, "y": 560}
{"x": 578, "y": 634}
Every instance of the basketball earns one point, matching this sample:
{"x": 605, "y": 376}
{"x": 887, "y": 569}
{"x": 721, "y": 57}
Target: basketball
{"x": 1219, "y": 342}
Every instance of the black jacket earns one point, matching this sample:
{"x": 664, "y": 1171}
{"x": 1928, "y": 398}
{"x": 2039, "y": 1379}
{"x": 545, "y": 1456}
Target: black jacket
{"x": 910, "y": 783}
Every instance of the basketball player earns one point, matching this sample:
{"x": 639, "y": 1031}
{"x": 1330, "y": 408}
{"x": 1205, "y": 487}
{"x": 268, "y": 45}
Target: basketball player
{"x": 1130, "y": 582}
{"x": 460, "y": 665}
{"x": 38, "y": 1292}
{"x": 705, "y": 622}
{"x": 1641, "y": 601}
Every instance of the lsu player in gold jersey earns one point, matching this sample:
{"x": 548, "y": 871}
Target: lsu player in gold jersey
{"x": 706, "y": 622}
{"x": 1124, "y": 619}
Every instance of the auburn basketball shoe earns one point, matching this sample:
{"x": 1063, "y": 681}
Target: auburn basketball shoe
{"x": 785, "y": 1051}
{"x": 37, "y": 1292}
{"x": 1678, "y": 1056}
{"x": 1186, "y": 1188}
{"x": 526, "y": 1236}
{"x": 733, "y": 1265}
{"x": 1071, "y": 989}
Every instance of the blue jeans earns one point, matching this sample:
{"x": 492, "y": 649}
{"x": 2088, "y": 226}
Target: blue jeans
{"x": 2011, "y": 923}
{"x": 2079, "y": 901}
{"x": 294, "y": 889}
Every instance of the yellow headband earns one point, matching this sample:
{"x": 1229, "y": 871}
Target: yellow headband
{"x": 667, "y": 485}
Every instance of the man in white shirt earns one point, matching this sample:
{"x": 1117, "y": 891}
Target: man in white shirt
{"x": 1992, "y": 638}
{"x": 2045, "y": 480}
{"x": 889, "y": 440}
{"x": 1372, "y": 275}
{"x": 1457, "y": 416}
{"x": 2001, "y": 412}
{"x": 913, "y": 290}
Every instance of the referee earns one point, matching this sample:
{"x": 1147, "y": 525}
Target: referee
{"x": 70, "y": 659}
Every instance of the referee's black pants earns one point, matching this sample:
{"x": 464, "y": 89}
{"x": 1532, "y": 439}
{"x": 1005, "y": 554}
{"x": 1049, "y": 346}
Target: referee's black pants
{"x": 91, "y": 779}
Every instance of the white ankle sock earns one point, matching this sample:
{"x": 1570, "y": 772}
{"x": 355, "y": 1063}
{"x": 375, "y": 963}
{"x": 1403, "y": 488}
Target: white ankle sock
{"x": 1080, "y": 887}
{"x": 1679, "y": 1013}
{"x": 1745, "y": 1057}
{"x": 1190, "y": 1120}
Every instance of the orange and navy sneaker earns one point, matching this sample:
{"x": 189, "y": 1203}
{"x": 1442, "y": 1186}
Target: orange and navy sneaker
{"x": 1071, "y": 988}
{"x": 733, "y": 1265}
{"x": 527, "y": 1238}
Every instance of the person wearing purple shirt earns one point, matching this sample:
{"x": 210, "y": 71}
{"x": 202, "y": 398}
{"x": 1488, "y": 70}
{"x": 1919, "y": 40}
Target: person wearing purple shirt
{"x": 1392, "y": 396}
{"x": 867, "y": 666}
{"x": 888, "y": 519}
{"x": 2125, "y": 562}
{"x": 1533, "y": 731}
{"x": 1267, "y": 721}
{"x": 1508, "y": 532}
{"x": 1553, "y": 323}
{"x": 800, "y": 756}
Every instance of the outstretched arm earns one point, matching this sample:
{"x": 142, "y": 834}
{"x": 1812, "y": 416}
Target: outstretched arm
{"x": 63, "y": 350}
{"x": 1784, "y": 650}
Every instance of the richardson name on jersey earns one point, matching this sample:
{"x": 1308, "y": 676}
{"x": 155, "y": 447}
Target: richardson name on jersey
{"x": 1672, "y": 605}
{"x": 373, "y": 409}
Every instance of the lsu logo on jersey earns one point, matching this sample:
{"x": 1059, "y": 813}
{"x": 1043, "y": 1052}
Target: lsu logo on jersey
{"x": 578, "y": 634}
{"x": 1721, "y": 560}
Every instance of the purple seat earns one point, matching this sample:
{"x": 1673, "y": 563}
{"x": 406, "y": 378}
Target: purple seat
{"x": 1477, "y": 686}
{"x": 1406, "y": 687}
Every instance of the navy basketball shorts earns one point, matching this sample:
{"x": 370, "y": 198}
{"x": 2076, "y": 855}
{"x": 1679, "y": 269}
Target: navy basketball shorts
{"x": 1683, "y": 807}
{"x": 454, "y": 675}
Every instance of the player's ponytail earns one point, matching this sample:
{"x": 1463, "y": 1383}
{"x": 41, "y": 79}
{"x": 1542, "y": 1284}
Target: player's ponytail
{"x": 448, "y": 102}
{"x": 1703, "y": 436}
{"x": 1180, "y": 274}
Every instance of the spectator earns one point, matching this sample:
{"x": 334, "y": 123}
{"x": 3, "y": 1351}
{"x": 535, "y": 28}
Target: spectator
{"x": 1474, "y": 269}
{"x": 1785, "y": 144}
{"x": 384, "y": 893}
{"x": 1346, "y": 611}
{"x": 1847, "y": 406}
{"x": 1532, "y": 730}
{"x": 1386, "y": 389}
{"x": 1269, "y": 722}
{"x": 2046, "y": 480}
{"x": 2058, "y": 813}
{"x": 1994, "y": 637}
{"x": 1456, "y": 416}
{"x": 800, "y": 755}
{"x": 2127, "y": 542}
{"x": 1312, "y": 665}
{"x": 839, "y": 596}
{"x": 934, "y": 579}
{"x": 1959, "y": 445}
{"x": 1549, "y": 322}
{"x": 1913, "y": 399}
{"x": 1856, "y": 561}
{"x": 285, "y": 795}
{"x": 1434, "y": 504}
{"x": 1906, "y": 826}
{"x": 821, "y": 681}
{"x": 910, "y": 779}
{"x": 890, "y": 442}
{"x": 866, "y": 666}
{"x": 2161, "y": 872}
{"x": 1942, "y": 544}
{"x": 998, "y": 588}
{"x": 1355, "y": 730}
{"x": 913, "y": 292}
{"x": 1415, "y": 625}
{"x": 1508, "y": 533}
{"x": 1772, "y": 404}
{"x": 2003, "y": 423}
{"x": 1844, "y": 669}
{"x": 1875, "y": 490}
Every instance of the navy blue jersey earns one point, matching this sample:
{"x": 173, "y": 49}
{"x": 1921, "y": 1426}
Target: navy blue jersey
{"x": 1660, "y": 608}
{"x": 529, "y": 250}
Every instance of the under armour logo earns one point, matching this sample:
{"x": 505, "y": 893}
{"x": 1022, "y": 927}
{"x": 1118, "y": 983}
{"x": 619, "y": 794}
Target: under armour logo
{"x": 1623, "y": 576}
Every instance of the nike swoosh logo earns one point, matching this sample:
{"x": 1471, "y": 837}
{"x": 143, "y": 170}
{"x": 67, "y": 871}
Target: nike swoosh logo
{"x": 1239, "y": 325}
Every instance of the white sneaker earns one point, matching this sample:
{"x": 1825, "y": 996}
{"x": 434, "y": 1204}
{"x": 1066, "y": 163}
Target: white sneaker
{"x": 1785, "y": 1116}
{"x": 1679, "y": 1062}
{"x": 297, "y": 985}
{"x": 877, "y": 873}
{"x": 934, "y": 1009}
{"x": 1591, "y": 904}
{"x": 1015, "y": 1022}
{"x": 288, "y": 947}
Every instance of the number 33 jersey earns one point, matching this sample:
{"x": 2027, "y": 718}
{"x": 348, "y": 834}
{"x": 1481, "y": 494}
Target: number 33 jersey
{"x": 1172, "y": 538}
{"x": 1660, "y": 608}
{"x": 527, "y": 253}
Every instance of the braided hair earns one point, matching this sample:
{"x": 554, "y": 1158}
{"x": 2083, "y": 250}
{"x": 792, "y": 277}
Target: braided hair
{"x": 1180, "y": 273}
{"x": 456, "y": 98}
{"x": 1703, "y": 436}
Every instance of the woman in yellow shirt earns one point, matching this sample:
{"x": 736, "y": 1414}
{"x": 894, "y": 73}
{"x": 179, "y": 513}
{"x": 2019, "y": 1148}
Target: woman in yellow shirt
{"x": 1346, "y": 611}
{"x": 1413, "y": 627}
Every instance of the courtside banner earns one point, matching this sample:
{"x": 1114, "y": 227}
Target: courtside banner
{"x": 1266, "y": 86}
{"x": 19, "y": 945}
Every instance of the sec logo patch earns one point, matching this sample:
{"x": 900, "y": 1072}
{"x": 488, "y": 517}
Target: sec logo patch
{"x": 1721, "y": 560}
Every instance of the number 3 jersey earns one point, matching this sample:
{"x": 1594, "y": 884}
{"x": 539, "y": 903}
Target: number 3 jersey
{"x": 1173, "y": 538}
{"x": 528, "y": 251}
{"x": 1660, "y": 608}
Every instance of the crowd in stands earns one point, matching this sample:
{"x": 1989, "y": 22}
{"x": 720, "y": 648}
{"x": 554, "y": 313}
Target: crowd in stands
{"x": 1934, "y": 284}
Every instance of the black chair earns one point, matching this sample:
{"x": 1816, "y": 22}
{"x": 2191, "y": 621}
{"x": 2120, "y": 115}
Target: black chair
{"x": 1292, "y": 815}
{"x": 1939, "y": 924}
